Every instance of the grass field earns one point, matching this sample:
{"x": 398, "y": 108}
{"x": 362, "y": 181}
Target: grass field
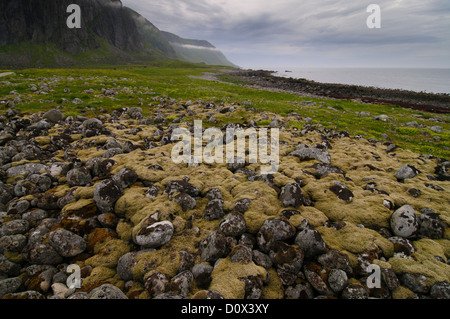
{"x": 143, "y": 86}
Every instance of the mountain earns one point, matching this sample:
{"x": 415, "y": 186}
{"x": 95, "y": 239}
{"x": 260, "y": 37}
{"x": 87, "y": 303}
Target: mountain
{"x": 34, "y": 33}
{"x": 196, "y": 51}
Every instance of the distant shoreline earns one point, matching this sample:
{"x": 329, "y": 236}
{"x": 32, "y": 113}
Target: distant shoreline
{"x": 428, "y": 102}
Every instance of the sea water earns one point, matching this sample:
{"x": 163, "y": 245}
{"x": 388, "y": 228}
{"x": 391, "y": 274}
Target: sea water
{"x": 419, "y": 80}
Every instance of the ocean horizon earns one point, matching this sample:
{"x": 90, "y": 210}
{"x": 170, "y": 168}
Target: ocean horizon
{"x": 412, "y": 79}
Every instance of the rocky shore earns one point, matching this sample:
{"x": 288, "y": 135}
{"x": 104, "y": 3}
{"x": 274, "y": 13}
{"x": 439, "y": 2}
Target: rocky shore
{"x": 429, "y": 102}
{"x": 104, "y": 194}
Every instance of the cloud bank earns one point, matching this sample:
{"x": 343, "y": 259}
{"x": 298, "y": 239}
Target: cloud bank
{"x": 264, "y": 33}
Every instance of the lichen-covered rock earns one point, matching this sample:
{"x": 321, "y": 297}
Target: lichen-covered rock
{"x": 107, "y": 291}
{"x": 305, "y": 153}
{"x": 233, "y": 224}
{"x": 431, "y": 226}
{"x": 125, "y": 178}
{"x": 355, "y": 291}
{"x": 91, "y": 127}
{"x": 274, "y": 229}
{"x": 106, "y": 193}
{"x": 53, "y": 116}
{"x": 342, "y": 192}
{"x": 214, "y": 209}
{"x": 186, "y": 201}
{"x": 336, "y": 259}
{"x": 78, "y": 177}
{"x": 156, "y": 284}
{"x": 291, "y": 195}
{"x": 416, "y": 282}
{"x": 311, "y": 242}
{"x": 405, "y": 172}
{"x": 337, "y": 280}
{"x": 440, "y": 290}
{"x": 404, "y": 222}
{"x": 66, "y": 243}
{"x": 154, "y": 235}
{"x": 9, "y": 285}
{"x": 202, "y": 275}
{"x": 213, "y": 247}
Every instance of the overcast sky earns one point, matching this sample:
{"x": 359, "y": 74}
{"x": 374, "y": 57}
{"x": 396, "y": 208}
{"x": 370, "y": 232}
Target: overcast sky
{"x": 311, "y": 33}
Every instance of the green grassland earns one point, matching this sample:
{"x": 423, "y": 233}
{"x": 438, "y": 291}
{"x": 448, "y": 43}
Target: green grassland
{"x": 143, "y": 85}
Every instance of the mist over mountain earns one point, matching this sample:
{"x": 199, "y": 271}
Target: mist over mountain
{"x": 34, "y": 33}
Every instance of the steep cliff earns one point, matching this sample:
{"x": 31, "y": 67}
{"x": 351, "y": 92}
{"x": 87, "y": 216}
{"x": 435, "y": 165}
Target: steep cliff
{"x": 34, "y": 33}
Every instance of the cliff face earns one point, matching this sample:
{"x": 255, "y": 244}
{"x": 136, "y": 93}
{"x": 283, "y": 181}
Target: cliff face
{"x": 34, "y": 33}
{"x": 42, "y": 21}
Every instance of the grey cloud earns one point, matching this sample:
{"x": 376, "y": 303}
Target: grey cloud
{"x": 242, "y": 28}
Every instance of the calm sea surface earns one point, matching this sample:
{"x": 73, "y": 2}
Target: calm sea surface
{"x": 420, "y": 80}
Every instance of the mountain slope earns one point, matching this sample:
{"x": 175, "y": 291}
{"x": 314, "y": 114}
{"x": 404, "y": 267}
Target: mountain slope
{"x": 33, "y": 33}
{"x": 196, "y": 51}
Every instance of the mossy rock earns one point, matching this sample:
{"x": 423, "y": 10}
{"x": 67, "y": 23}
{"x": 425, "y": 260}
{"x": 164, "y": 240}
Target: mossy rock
{"x": 107, "y": 253}
{"x": 165, "y": 261}
{"x": 226, "y": 277}
{"x": 356, "y": 240}
{"x": 99, "y": 276}
{"x": 423, "y": 262}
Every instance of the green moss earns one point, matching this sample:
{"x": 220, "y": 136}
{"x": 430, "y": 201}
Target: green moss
{"x": 107, "y": 253}
{"x": 226, "y": 277}
{"x": 356, "y": 240}
{"x": 424, "y": 262}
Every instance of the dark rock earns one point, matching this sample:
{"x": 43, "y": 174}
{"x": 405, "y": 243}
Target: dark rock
{"x": 300, "y": 291}
{"x": 274, "y": 229}
{"x": 213, "y": 194}
{"x": 9, "y": 285}
{"x": 106, "y": 193}
{"x": 440, "y": 290}
{"x": 233, "y": 224}
{"x": 402, "y": 245}
{"x": 91, "y": 127}
{"x": 183, "y": 187}
{"x": 41, "y": 254}
{"x": 78, "y": 177}
{"x": 253, "y": 287}
{"x": 135, "y": 113}
{"x": 355, "y": 291}
{"x": 442, "y": 171}
{"x": 242, "y": 205}
{"x": 125, "y": 178}
{"x": 213, "y": 247}
{"x": 291, "y": 195}
{"x": 25, "y": 170}
{"x": 323, "y": 170}
{"x": 342, "y": 192}
{"x": 53, "y": 116}
{"x": 405, "y": 172}
{"x": 414, "y": 192}
{"x": 431, "y": 225}
{"x": 112, "y": 152}
{"x": 181, "y": 283}
{"x": 214, "y": 210}
{"x": 337, "y": 280}
{"x": 208, "y": 294}
{"x": 336, "y": 259}
{"x": 8, "y": 267}
{"x": 262, "y": 259}
{"x": 311, "y": 242}
{"x": 155, "y": 235}
{"x": 18, "y": 226}
{"x": 66, "y": 243}
{"x": 404, "y": 222}
{"x": 186, "y": 201}
{"x": 389, "y": 278}
{"x": 202, "y": 275}
{"x": 313, "y": 274}
{"x": 187, "y": 261}
{"x": 241, "y": 254}
{"x": 156, "y": 284}
{"x": 107, "y": 291}
{"x": 312, "y": 154}
{"x": 415, "y": 282}
{"x": 125, "y": 265}
{"x": 12, "y": 243}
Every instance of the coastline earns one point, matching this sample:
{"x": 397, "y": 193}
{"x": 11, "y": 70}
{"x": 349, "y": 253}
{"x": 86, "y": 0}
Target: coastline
{"x": 265, "y": 79}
